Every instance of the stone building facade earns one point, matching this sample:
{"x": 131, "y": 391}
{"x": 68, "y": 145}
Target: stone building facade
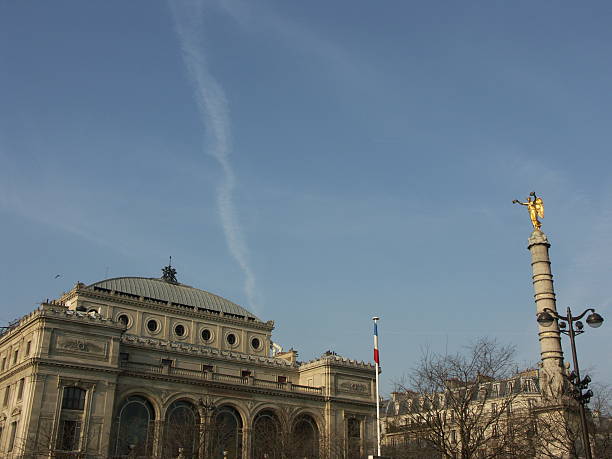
{"x": 145, "y": 367}
{"x": 409, "y": 421}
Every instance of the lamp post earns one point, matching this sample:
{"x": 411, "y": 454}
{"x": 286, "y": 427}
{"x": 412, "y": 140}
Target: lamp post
{"x": 572, "y": 326}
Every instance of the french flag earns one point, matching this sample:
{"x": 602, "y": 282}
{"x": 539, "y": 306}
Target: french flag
{"x": 376, "y": 357}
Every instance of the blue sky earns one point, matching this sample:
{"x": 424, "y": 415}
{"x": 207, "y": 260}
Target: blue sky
{"x": 317, "y": 162}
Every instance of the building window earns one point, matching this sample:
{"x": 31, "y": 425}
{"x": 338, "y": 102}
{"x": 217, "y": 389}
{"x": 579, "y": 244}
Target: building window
{"x": 256, "y": 344}
{"x": 124, "y": 320}
{"x": 266, "y": 435}
{"x": 152, "y": 325}
{"x": 167, "y": 362}
{"x": 15, "y": 356}
{"x": 245, "y": 373}
{"x": 354, "y": 428}
{"x": 231, "y": 339}
{"x": 20, "y": 389}
{"x": 28, "y": 348}
{"x": 7, "y": 395}
{"x": 124, "y": 356}
{"x": 206, "y": 335}
{"x": 69, "y": 435}
{"x": 182, "y": 428}
{"x": 12, "y": 436}
{"x": 206, "y": 367}
{"x": 227, "y": 428}
{"x": 74, "y": 398}
{"x": 354, "y": 437}
{"x": 135, "y": 431}
{"x": 179, "y": 330}
{"x": 3, "y": 363}
{"x": 281, "y": 379}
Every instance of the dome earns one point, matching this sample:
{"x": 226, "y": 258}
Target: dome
{"x": 160, "y": 290}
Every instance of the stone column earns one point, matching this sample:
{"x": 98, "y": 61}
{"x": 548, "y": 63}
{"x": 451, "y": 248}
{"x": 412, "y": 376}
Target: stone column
{"x": 551, "y": 353}
{"x": 247, "y": 442}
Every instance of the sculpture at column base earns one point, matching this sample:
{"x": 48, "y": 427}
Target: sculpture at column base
{"x": 553, "y": 382}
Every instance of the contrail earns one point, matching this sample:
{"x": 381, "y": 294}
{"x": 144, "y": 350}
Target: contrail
{"x": 214, "y": 111}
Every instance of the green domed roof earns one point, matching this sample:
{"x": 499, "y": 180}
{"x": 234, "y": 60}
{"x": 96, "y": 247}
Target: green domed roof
{"x": 170, "y": 292}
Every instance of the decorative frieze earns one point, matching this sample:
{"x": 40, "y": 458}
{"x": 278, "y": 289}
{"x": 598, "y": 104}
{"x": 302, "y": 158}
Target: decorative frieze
{"x": 77, "y": 344}
{"x": 203, "y": 350}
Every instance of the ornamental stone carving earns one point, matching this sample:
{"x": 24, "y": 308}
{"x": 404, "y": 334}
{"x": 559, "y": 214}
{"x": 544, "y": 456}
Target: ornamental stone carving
{"x": 353, "y": 387}
{"x": 76, "y": 344}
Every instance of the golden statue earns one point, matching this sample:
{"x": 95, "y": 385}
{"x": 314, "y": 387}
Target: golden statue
{"x": 535, "y": 207}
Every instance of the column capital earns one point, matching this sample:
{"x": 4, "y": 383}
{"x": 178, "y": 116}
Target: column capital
{"x": 537, "y": 237}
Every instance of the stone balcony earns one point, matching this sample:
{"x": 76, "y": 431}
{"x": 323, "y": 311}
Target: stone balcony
{"x": 218, "y": 378}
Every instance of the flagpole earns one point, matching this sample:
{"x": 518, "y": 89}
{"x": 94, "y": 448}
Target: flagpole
{"x": 376, "y": 361}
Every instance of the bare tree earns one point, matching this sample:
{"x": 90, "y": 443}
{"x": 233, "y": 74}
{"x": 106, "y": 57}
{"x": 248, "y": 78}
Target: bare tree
{"x": 601, "y": 408}
{"x": 462, "y": 405}
{"x": 560, "y": 431}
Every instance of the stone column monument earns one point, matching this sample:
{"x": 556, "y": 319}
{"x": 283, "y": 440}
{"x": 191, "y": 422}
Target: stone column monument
{"x": 552, "y": 370}
{"x": 551, "y": 355}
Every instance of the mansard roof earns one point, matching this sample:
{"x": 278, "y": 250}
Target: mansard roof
{"x": 172, "y": 293}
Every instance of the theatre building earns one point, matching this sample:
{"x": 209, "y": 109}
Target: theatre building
{"x": 148, "y": 367}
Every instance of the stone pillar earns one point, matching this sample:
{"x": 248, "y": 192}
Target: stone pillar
{"x": 247, "y": 442}
{"x": 551, "y": 353}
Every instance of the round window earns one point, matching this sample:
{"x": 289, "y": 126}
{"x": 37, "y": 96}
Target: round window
{"x": 152, "y": 325}
{"x": 231, "y": 339}
{"x": 255, "y": 343}
{"x": 179, "y": 330}
{"x": 206, "y": 335}
{"x": 123, "y": 319}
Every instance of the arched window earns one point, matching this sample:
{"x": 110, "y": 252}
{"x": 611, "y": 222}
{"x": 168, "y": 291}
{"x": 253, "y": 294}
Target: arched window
{"x": 305, "y": 438}
{"x": 134, "y": 432}
{"x": 226, "y": 433}
{"x": 182, "y": 430}
{"x": 267, "y": 441}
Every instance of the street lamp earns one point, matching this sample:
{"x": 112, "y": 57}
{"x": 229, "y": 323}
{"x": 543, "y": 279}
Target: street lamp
{"x": 566, "y": 326}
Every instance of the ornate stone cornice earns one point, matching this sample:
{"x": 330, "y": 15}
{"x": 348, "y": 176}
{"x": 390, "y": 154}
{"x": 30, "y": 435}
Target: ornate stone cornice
{"x": 338, "y": 361}
{"x": 203, "y": 351}
{"x": 174, "y": 309}
{"x": 77, "y": 366}
{"x": 58, "y": 311}
{"x": 20, "y": 367}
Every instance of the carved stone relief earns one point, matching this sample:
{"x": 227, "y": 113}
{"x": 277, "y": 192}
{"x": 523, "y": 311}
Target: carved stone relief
{"x": 77, "y": 344}
{"x": 354, "y": 387}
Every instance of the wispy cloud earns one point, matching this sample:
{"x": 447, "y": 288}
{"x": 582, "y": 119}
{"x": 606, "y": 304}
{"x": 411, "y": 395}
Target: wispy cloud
{"x": 214, "y": 111}
{"x": 336, "y": 60}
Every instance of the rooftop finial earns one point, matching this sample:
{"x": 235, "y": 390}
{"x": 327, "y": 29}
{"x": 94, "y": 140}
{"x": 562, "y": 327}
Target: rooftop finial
{"x": 169, "y": 273}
